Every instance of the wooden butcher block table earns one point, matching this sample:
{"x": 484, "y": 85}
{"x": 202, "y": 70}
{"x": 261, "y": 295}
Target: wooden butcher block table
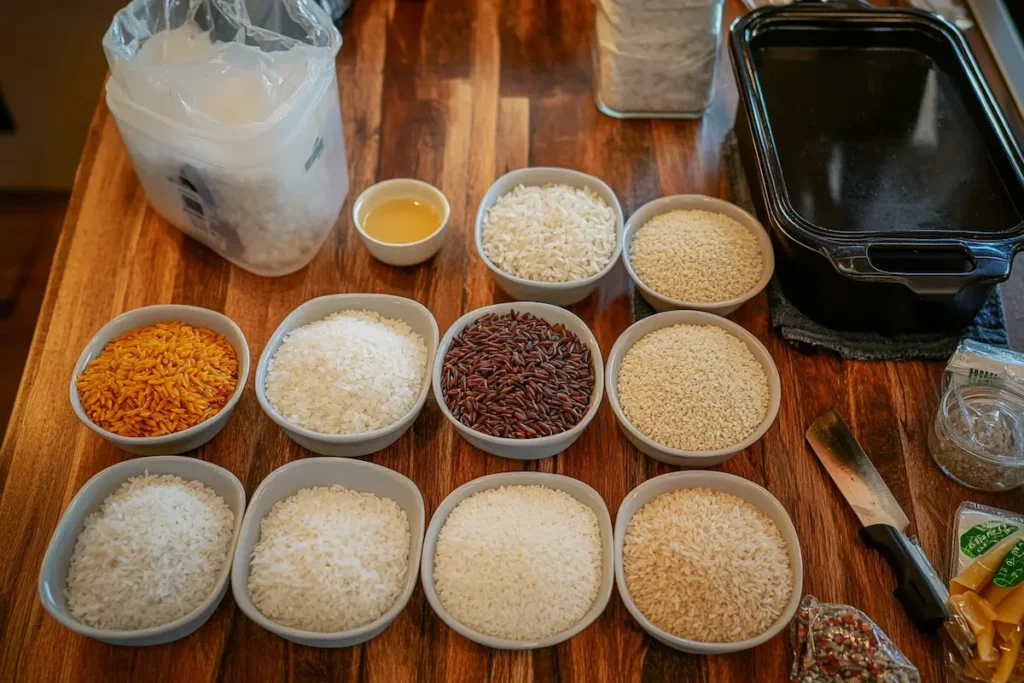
{"x": 454, "y": 93}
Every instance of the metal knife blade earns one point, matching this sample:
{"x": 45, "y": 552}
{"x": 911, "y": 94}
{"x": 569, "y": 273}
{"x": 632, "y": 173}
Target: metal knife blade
{"x": 852, "y": 471}
{"x": 919, "y": 587}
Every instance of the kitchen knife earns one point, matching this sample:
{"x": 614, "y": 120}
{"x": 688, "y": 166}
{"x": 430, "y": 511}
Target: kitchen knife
{"x": 918, "y": 588}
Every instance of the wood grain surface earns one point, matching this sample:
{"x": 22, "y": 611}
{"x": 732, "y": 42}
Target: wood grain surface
{"x": 454, "y": 93}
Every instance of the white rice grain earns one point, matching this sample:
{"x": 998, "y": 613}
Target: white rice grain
{"x": 350, "y": 373}
{"x": 553, "y": 233}
{"x": 330, "y": 559}
{"x": 150, "y": 554}
{"x": 519, "y": 562}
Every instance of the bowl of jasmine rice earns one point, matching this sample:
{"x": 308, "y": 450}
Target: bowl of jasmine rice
{"x": 549, "y": 234}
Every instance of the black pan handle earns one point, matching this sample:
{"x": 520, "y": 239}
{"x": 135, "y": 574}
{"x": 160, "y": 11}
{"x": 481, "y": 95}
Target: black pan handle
{"x": 853, "y": 4}
{"x": 914, "y": 588}
{"x": 938, "y": 269}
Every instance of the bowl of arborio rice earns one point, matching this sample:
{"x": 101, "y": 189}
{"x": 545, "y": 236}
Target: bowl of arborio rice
{"x": 692, "y": 252}
{"x": 549, "y": 234}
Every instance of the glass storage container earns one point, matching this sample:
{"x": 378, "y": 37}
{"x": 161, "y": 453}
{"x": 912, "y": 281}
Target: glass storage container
{"x": 978, "y": 435}
{"x": 655, "y": 58}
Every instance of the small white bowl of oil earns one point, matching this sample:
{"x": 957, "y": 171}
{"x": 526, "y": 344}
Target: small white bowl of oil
{"x": 402, "y": 221}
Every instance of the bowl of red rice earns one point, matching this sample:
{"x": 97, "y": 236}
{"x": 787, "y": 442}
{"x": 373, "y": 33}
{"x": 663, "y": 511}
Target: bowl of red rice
{"x": 161, "y": 380}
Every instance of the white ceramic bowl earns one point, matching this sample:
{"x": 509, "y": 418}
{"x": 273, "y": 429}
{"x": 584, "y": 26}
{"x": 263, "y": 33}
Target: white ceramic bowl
{"x": 716, "y": 481}
{"x": 675, "y": 456}
{"x": 697, "y": 202}
{"x": 350, "y": 445}
{"x": 54, "y": 572}
{"x": 575, "y": 488}
{"x": 402, "y": 188}
{"x": 187, "y": 439}
{"x": 558, "y": 293}
{"x": 524, "y": 449}
{"x": 352, "y": 474}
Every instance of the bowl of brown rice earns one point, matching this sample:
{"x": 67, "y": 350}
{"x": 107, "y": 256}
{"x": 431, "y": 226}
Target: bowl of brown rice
{"x": 690, "y": 388}
{"x": 161, "y": 380}
{"x": 693, "y": 252}
{"x": 707, "y": 562}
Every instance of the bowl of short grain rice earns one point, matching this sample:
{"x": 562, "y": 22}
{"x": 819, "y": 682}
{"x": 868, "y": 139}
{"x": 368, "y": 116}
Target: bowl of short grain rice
{"x": 707, "y": 562}
{"x": 694, "y": 252}
{"x": 519, "y": 380}
{"x": 161, "y": 380}
{"x": 348, "y": 374}
{"x": 329, "y": 551}
{"x": 549, "y": 234}
{"x": 519, "y": 560}
{"x": 142, "y": 555}
{"x": 691, "y": 389}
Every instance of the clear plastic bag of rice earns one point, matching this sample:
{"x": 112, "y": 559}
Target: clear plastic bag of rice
{"x": 229, "y": 110}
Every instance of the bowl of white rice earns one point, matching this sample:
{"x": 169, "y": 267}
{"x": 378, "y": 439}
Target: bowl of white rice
{"x": 549, "y": 234}
{"x": 690, "y": 388}
{"x": 329, "y": 551}
{"x": 142, "y": 555}
{"x": 519, "y": 560}
{"x": 348, "y": 374}
{"x": 707, "y": 562}
{"x": 693, "y": 252}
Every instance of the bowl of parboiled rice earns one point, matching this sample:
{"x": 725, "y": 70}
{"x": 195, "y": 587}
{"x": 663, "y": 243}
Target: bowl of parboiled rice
{"x": 691, "y": 389}
{"x": 329, "y": 551}
{"x": 707, "y": 562}
{"x": 519, "y": 560}
{"x": 549, "y": 234}
{"x": 348, "y": 374}
{"x": 172, "y": 523}
{"x": 693, "y": 252}
{"x": 190, "y": 325}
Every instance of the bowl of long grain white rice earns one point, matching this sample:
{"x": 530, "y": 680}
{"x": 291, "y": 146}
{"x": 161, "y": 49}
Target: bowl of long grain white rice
{"x": 707, "y": 562}
{"x": 690, "y": 388}
{"x": 693, "y": 252}
{"x": 348, "y": 374}
{"x": 519, "y": 560}
{"x": 329, "y": 551}
{"x": 549, "y": 234}
{"x": 142, "y": 555}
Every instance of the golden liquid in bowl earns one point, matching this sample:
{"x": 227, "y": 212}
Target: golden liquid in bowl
{"x": 402, "y": 221}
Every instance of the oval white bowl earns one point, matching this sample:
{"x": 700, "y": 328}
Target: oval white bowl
{"x": 575, "y": 488}
{"x": 523, "y": 449}
{"x": 717, "y": 481}
{"x": 675, "y": 202}
{"x": 352, "y": 474}
{"x": 418, "y": 317}
{"x": 675, "y": 456}
{"x": 54, "y": 572}
{"x": 196, "y": 435}
{"x": 557, "y": 293}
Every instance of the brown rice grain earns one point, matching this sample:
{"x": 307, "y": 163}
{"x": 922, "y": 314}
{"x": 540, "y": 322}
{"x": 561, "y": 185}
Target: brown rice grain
{"x": 706, "y": 565}
{"x": 124, "y": 389}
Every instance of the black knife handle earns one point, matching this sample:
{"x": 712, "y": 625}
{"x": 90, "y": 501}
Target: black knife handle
{"x": 913, "y": 589}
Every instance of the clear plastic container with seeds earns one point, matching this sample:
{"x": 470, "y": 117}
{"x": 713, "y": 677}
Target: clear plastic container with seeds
{"x": 978, "y": 435}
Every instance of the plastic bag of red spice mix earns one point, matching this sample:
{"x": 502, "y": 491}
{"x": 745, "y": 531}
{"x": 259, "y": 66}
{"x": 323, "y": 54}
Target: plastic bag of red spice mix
{"x": 840, "y": 644}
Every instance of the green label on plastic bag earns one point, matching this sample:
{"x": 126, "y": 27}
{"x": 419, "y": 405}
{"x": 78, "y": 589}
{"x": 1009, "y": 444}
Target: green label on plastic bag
{"x": 978, "y": 539}
{"x": 1011, "y": 571}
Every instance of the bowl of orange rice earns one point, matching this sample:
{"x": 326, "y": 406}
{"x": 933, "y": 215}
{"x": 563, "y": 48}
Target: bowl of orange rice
{"x": 161, "y": 380}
